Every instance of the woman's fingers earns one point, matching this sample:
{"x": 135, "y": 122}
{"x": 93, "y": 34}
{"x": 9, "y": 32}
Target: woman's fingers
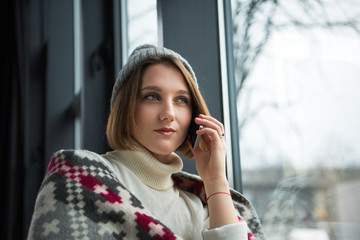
{"x": 210, "y": 162}
{"x": 210, "y": 122}
{"x": 212, "y": 138}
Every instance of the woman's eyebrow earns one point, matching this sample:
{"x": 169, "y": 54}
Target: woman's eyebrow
{"x": 151, "y": 88}
{"x": 186, "y": 92}
{"x": 154, "y": 88}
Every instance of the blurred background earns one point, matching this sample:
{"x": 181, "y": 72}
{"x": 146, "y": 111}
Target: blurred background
{"x": 282, "y": 75}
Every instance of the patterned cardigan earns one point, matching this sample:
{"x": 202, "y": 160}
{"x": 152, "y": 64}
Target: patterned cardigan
{"x": 81, "y": 198}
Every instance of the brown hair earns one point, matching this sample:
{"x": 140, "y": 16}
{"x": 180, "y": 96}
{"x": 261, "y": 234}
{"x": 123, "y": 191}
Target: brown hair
{"x": 121, "y": 121}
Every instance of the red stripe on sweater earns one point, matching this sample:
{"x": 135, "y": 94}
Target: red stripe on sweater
{"x": 84, "y": 178}
{"x": 144, "y": 221}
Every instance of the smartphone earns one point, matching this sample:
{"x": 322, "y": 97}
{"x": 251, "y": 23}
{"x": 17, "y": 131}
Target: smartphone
{"x": 197, "y": 138}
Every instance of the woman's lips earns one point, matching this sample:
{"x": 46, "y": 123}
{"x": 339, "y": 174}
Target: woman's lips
{"x": 165, "y": 131}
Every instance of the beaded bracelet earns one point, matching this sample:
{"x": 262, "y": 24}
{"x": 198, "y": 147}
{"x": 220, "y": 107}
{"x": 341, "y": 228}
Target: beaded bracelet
{"x": 207, "y": 199}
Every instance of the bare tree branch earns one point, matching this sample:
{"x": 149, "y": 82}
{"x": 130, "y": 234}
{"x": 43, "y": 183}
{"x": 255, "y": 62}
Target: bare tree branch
{"x": 256, "y": 20}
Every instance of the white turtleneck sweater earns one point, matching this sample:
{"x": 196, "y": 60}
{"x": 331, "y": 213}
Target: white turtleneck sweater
{"x": 150, "y": 181}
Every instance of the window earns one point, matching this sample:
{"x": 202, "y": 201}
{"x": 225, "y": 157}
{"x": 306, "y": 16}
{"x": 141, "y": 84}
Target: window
{"x": 141, "y": 24}
{"x": 297, "y": 72}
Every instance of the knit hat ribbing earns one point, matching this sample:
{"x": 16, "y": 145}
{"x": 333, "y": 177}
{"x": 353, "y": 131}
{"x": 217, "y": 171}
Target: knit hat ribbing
{"x": 140, "y": 54}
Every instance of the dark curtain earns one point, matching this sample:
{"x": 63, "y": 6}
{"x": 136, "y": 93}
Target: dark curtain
{"x": 35, "y": 98}
{"x": 14, "y": 82}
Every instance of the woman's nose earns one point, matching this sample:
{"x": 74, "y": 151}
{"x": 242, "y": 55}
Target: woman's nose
{"x": 167, "y": 111}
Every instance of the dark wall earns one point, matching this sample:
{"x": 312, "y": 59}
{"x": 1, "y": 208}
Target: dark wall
{"x": 38, "y": 104}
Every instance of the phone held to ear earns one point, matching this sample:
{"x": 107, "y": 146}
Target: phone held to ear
{"x": 197, "y": 138}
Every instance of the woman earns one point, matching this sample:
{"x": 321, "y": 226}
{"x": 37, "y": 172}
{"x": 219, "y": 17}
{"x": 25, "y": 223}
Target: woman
{"x": 138, "y": 190}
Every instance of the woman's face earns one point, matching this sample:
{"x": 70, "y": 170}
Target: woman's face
{"x": 163, "y": 110}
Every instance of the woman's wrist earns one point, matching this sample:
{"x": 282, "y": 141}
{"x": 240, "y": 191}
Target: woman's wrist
{"x": 217, "y": 193}
{"x": 220, "y": 205}
{"x": 216, "y": 185}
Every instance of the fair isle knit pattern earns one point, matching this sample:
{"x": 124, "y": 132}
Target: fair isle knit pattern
{"x": 81, "y": 198}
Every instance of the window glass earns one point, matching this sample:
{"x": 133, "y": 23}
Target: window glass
{"x": 297, "y": 72}
{"x": 141, "y": 23}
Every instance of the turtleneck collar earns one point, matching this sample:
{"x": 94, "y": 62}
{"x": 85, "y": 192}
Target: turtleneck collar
{"x": 147, "y": 168}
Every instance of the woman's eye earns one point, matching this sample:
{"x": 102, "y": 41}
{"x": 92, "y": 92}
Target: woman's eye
{"x": 151, "y": 97}
{"x": 182, "y": 100}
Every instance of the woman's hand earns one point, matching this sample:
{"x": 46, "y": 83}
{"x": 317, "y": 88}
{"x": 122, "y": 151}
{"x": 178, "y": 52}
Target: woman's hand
{"x": 210, "y": 164}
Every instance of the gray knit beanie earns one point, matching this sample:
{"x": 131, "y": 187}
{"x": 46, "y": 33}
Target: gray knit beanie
{"x": 140, "y": 54}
